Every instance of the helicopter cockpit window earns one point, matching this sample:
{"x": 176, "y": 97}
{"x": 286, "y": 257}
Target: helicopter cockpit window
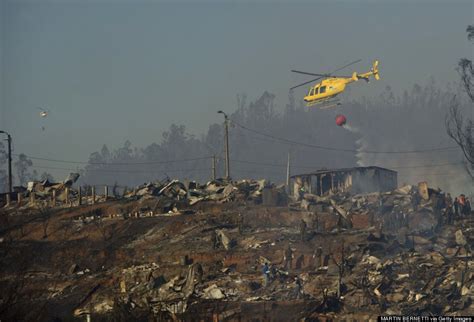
{"x": 322, "y": 89}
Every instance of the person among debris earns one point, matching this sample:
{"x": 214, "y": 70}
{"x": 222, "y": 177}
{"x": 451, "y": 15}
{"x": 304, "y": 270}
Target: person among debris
{"x": 438, "y": 201}
{"x": 449, "y": 209}
{"x": 266, "y": 274}
{"x": 318, "y": 256}
{"x": 448, "y": 200}
{"x": 240, "y": 223}
{"x": 462, "y": 203}
{"x": 302, "y": 192}
{"x": 467, "y": 207}
{"x": 298, "y": 291}
{"x": 456, "y": 207}
{"x": 199, "y": 272}
{"x": 303, "y": 230}
{"x": 150, "y": 281}
{"x": 406, "y": 221}
{"x": 315, "y": 223}
{"x": 416, "y": 201}
{"x": 214, "y": 240}
{"x": 299, "y": 262}
{"x": 326, "y": 259}
{"x": 274, "y": 272}
{"x": 441, "y": 201}
{"x": 288, "y": 258}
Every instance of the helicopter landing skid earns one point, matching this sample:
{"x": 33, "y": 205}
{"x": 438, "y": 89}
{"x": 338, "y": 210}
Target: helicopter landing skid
{"x": 325, "y": 104}
{"x": 333, "y": 104}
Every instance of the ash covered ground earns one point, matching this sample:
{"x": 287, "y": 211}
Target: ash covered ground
{"x": 181, "y": 251}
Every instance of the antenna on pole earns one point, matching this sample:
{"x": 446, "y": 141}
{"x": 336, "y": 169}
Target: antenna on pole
{"x": 214, "y": 167}
{"x": 226, "y": 128}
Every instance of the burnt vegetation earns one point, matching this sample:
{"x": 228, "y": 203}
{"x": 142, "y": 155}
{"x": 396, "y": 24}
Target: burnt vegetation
{"x": 458, "y": 124}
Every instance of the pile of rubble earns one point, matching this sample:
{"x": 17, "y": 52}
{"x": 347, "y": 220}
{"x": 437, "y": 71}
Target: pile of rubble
{"x": 42, "y": 193}
{"x": 412, "y": 207}
{"x": 370, "y": 272}
{"x": 170, "y": 196}
{"x": 428, "y": 275}
{"x": 386, "y": 253}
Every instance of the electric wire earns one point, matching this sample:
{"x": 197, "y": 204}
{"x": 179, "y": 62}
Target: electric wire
{"x": 328, "y": 148}
{"x": 121, "y": 171}
{"x": 113, "y": 163}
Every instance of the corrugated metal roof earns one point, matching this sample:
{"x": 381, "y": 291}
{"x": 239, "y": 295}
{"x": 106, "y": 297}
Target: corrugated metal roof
{"x": 324, "y": 171}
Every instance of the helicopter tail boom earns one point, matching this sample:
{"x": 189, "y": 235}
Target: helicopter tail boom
{"x": 374, "y": 71}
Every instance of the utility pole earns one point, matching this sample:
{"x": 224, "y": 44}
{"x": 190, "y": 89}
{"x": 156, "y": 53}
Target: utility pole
{"x": 214, "y": 167}
{"x": 10, "y": 180}
{"x": 288, "y": 172}
{"x": 226, "y": 127}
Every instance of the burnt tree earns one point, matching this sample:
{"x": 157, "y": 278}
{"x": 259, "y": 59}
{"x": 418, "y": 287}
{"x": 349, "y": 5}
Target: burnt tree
{"x": 458, "y": 126}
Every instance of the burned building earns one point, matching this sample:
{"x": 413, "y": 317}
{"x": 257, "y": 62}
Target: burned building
{"x": 353, "y": 180}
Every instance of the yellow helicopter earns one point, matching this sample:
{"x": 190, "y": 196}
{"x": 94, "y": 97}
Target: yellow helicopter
{"x": 332, "y": 85}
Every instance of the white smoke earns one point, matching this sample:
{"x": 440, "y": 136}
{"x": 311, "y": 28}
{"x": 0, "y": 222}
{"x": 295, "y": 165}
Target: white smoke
{"x": 351, "y": 128}
{"x": 362, "y": 145}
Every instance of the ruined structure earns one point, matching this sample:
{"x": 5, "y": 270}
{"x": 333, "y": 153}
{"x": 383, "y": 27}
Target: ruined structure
{"x": 174, "y": 251}
{"x": 353, "y": 180}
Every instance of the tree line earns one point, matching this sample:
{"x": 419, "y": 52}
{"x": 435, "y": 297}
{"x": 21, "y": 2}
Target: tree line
{"x": 429, "y": 115}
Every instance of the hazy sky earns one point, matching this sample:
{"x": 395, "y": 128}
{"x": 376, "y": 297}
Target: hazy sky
{"x": 115, "y": 70}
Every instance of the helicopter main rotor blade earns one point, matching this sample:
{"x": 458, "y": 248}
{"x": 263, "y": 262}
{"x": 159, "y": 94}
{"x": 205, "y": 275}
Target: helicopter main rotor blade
{"x": 313, "y": 80}
{"x": 322, "y": 75}
{"x": 341, "y": 68}
{"x": 312, "y": 74}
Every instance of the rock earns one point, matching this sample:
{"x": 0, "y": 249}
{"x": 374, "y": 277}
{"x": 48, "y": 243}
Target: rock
{"x": 396, "y": 297}
{"x": 73, "y": 269}
{"x": 227, "y": 242}
{"x": 402, "y": 276}
{"x": 460, "y": 239}
{"x": 213, "y": 292}
{"x": 155, "y": 283}
{"x": 404, "y": 190}
{"x": 123, "y": 286}
{"x": 421, "y": 241}
{"x": 333, "y": 269}
{"x": 371, "y": 260}
{"x": 419, "y": 297}
{"x": 377, "y": 292}
{"x": 423, "y": 190}
{"x": 305, "y": 204}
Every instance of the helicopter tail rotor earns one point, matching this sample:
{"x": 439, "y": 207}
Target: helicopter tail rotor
{"x": 375, "y": 70}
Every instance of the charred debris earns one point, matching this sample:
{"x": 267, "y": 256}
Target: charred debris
{"x": 244, "y": 250}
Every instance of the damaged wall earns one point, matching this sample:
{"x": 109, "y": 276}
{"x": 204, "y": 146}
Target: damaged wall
{"x": 354, "y": 180}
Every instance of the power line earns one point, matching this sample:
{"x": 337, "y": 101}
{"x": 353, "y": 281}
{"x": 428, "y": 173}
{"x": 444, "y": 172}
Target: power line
{"x": 204, "y": 158}
{"x": 341, "y": 149}
{"x": 121, "y": 171}
{"x": 200, "y": 158}
{"x": 430, "y": 174}
{"x": 114, "y": 163}
{"x": 259, "y": 163}
{"x": 428, "y": 165}
{"x": 316, "y": 167}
